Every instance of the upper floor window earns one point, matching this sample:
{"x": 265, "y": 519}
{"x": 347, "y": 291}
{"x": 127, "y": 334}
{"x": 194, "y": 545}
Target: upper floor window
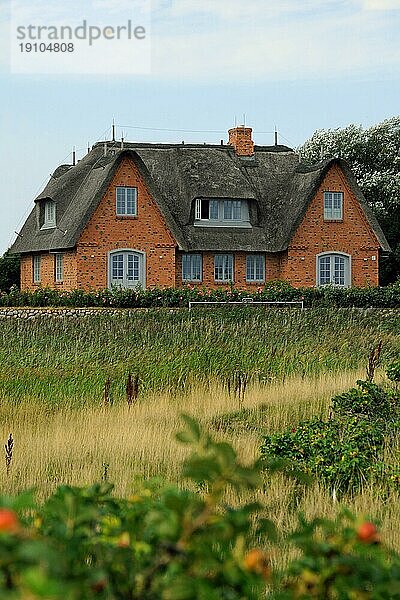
{"x": 333, "y": 206}
{"x": 223, "y": 267}
{"x": 191, "y": 267}
{"x": 126, "y": 201}
{"x": 49, "y": 220}
{"x": 255, "y": 267}
{"x": 37, "y": 259}
{"x": 218, "y": 212}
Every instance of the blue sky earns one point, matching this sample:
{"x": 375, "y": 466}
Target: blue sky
{"x": 300, "y": 66}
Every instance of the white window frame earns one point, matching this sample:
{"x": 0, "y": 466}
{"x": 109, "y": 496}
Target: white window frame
{"x": 49, "y": 220}
{"x": 237, "y": 207}
{"x": 36, "y": 267}
{"x": 59, "y": 267}
{"x": 332, "y": 212}
{"x": 227, "y": 262}
{"x": 125, "y": 210}
{"x": 126, "y": 282}
{"x": 347, "y": 266}
{"x": 191, "y": 258}
{"x": 253, "y": 268}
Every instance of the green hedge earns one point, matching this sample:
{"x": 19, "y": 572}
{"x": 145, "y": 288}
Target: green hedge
{"x": 378, "y": 297}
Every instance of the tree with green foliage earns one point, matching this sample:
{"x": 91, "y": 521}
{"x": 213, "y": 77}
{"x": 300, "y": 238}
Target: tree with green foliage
{"x": 374, "y": 156}
{"x": 9, "y": 271}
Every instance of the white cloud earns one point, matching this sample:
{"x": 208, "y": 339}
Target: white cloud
{"x": 217, "y": 40}
{"x": 254, "y": 42}
{"x": 381, "y": 4}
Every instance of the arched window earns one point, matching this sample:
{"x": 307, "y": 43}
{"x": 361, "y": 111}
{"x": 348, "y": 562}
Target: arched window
{"x": 126, "y": 268}
{"x": 334, "y": 268}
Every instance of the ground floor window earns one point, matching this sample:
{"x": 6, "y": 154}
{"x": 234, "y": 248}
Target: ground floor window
{"x": 255, "y": 267}
{"x": 223, "y": 267}
{"x": 59, "y": 267}
{"x": 126, "y": 269}
{"x": 191, "y": 267}
{"x": 333, "y": 269}
{"x": 37, "y": 261}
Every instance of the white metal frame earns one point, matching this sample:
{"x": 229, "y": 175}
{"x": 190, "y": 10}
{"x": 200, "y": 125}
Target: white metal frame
{"x": 243, "y": 223}
{"x": 245, "y": 302}
{"x": 332, "y": 217}
{"x": 201, "y": 267}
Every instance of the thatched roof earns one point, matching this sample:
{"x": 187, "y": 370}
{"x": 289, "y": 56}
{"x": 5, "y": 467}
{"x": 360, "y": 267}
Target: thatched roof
{"x": 277, "y": 185}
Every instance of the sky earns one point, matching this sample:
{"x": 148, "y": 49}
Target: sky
{"x": 204, "y": 66}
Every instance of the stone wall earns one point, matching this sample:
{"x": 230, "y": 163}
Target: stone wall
{"x": 35, "y": 312}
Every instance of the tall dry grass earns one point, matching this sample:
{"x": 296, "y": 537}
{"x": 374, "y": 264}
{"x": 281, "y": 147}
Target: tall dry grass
{"x": 77, "y": 445}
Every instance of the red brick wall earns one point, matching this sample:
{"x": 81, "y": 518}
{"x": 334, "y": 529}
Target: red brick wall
{"x": 87, "y": 267}
{"x": 47, "y": 272}
{"x": 105, "y": 232}
{"x": 352, "y": 236}
{"x": 272, "y": 271}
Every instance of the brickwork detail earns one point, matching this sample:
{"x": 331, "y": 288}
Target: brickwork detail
{"x": 87, "y": 266}
{"x": 272, "y": 271}
{"x": 147, "y": 233}
{"x": 240, "y": 138}
{"x": 47, "y": 272}
{"x": 353, "y": 235}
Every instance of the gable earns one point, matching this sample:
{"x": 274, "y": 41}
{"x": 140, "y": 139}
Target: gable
{"x": 109, "y": 230}
{"x": 352, "y": 231}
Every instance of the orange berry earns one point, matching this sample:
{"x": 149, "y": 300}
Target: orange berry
{"x": 367, "y": 533}
{"x": 99, "y": 586}
{"x": 124, "y": 540}
{"x": 9, "y": 522}
{"x": 257, "y": 561}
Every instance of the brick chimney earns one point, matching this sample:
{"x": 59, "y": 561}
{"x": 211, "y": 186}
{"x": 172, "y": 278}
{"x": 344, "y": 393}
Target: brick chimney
{"x": 240, "y": 138}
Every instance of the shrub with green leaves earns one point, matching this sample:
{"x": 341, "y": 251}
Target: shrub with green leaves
{"x": 393, "y": 371}
{"x": 272, "y": 291}
{"x": 162, "y": 543}
{"x": 340, "y": 452}
{"x": 169, "y": 543}
{"x": 346, "y": 450}
{"x": 342, "y": 558}
{"x": 369, "y": 401}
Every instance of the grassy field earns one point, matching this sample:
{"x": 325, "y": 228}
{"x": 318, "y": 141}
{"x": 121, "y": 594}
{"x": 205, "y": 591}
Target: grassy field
{"x": 68, "y": 360}
{"x": 52, "y": 375}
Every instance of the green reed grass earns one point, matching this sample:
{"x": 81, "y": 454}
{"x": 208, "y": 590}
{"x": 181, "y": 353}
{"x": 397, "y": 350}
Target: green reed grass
{"x": 68, "y": 360}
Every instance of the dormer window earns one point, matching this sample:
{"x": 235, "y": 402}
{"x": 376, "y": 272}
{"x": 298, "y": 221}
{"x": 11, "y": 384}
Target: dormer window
{"x": 221, "y": 212}
{"x": 49, "y": 215}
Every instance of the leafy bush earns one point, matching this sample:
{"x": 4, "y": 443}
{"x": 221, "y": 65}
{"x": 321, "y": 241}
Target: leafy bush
{"x": 341, "y": 558}
{"x": 393, "y": 371}
{"x": 345, "y": 450}
{"x": 163, "y": 542}
{"x": 340, "y": 452}
{"x": 169, "y": 543}
{"x": 369, "y": 401}
{"x": 383, "y": 297}
{"x": 9, "y": 271}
